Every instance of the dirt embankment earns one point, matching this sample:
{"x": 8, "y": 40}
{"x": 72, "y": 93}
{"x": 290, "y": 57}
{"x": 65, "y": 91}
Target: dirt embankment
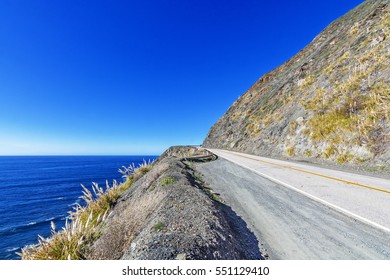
{"x": 169, "y": 213}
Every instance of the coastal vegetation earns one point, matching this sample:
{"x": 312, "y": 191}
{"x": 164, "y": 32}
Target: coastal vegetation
{"x": 84, "y": 223}
{"x": 164, "y": 210}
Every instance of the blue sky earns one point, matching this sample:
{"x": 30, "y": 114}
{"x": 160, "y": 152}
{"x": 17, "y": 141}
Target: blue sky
{"x": 135, "y": 77}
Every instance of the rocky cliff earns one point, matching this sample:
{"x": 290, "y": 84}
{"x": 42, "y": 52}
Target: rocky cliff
{"x": 330, "y": 102}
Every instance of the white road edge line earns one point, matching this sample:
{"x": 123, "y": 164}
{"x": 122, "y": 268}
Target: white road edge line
{"x": 353, "y": 215}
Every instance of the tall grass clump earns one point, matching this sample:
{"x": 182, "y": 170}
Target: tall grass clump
{"x": 83, "y": 226}
{"x": 134, "y": 172}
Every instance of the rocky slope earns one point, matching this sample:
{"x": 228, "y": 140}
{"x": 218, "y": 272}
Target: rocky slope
{"x": 330, "y": 102}
{"x": 169, "y": 213}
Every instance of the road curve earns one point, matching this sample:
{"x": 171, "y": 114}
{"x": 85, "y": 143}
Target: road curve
{"x": 362, "y": 197}
{"x": 303, "y": 220}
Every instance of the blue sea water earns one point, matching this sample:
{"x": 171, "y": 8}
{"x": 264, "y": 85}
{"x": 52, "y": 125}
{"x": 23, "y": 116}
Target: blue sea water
{"x": 35, "y": 190}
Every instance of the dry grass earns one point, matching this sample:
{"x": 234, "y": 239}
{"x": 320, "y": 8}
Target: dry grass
{"x": 308, "y": 153}
{"x": 84, "y": 223}
{"x": 135, "y": 172}
{"x": 293, "y": 126}
{"x": 344, "y": 157}
{"x": 353, "y": 104}
{"x": 290, "y": 151}
{"x": 329, "y": 151}
{"x": 306, "y": 83}
{"x": 126, "y": 223}
{"x": 354, "y": 29}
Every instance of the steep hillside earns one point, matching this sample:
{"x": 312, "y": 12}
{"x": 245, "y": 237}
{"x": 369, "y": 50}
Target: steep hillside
{"x": 331, "y": 101}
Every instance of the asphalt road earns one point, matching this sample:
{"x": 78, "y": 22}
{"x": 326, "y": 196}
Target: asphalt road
{"x": 302, "y": 216}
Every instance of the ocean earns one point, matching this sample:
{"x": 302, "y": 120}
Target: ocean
{"x": 35, "y": 190}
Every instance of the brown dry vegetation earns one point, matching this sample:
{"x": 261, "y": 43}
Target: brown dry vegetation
{"x": 85, "y": 222}
{"x": 329, "y": 102}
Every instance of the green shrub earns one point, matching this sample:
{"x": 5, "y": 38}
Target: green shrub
{"x": 159, "y": 226}
{"x": 168, "y": 180}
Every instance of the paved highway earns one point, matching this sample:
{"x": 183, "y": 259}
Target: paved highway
{"x": 299, "y": 211}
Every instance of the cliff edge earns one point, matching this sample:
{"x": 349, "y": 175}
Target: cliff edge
{"x": 169, "y": 213}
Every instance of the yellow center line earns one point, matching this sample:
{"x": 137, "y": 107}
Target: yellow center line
{"x": 314, "y": 173}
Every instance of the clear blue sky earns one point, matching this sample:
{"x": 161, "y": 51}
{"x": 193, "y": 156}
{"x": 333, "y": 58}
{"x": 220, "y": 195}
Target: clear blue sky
{"x": 135, "y": 77}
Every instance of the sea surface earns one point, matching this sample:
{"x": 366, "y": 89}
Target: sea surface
{"x": 35, "y": 190}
